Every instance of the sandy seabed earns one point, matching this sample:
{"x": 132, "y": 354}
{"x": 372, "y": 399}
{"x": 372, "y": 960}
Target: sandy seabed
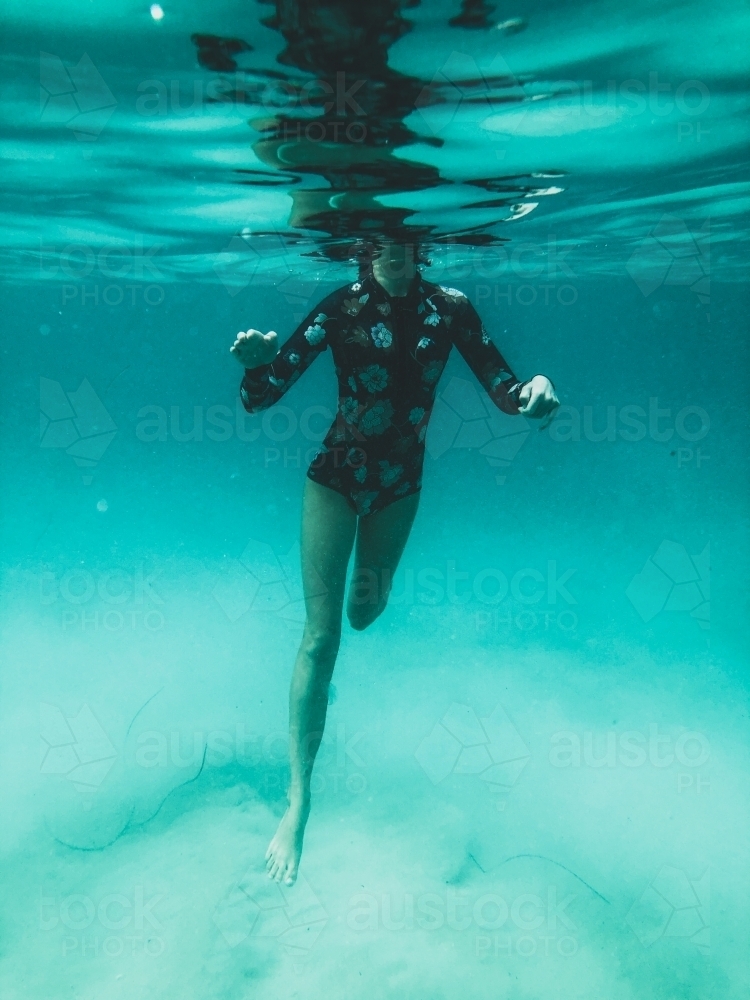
{"x": 485, "y": 823}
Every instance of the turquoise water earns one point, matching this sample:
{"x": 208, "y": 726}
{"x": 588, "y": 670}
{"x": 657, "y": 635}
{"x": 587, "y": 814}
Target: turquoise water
{"x": 533, "y": 781}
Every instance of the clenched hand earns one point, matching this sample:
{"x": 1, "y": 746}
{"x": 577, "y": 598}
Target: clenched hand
{"x": 538, "y": 398}
{"x": 254, "y": 348}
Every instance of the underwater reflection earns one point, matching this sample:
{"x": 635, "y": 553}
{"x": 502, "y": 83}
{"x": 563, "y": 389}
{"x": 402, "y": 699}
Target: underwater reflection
{"x": 340, "y": 140}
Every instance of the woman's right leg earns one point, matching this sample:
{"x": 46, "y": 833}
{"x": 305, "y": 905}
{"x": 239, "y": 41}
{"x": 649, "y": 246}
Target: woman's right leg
{"x": 328, "y": 530}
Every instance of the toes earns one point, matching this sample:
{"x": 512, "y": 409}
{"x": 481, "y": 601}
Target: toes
{"x": 271, "y": 862}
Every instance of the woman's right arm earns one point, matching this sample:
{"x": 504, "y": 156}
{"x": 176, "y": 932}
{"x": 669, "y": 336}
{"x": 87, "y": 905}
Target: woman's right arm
{"x": 270, "y": 373}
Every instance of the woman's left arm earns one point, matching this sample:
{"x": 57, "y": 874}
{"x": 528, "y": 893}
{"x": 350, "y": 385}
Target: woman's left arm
{"x": 533, "y": 398}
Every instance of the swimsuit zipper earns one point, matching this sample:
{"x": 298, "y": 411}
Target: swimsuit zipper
{"x": 401, "y": 346}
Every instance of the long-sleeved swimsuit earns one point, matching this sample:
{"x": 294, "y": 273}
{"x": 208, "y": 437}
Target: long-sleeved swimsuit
{"x": 389, "y": 353}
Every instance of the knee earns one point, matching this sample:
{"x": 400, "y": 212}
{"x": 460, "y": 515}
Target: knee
{"x": 321, "y": 643}
{"x": 363, "y": 615}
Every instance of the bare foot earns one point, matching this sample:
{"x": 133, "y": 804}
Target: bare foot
{"x": 283, "y": 854}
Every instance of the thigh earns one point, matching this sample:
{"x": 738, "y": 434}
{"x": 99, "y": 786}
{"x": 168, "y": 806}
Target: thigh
{"x": 381, "y": 539}
{"x": 328, "y": 530}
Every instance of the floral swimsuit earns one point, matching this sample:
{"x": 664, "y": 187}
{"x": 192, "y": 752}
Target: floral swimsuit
{"x": 389, "y": 353}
